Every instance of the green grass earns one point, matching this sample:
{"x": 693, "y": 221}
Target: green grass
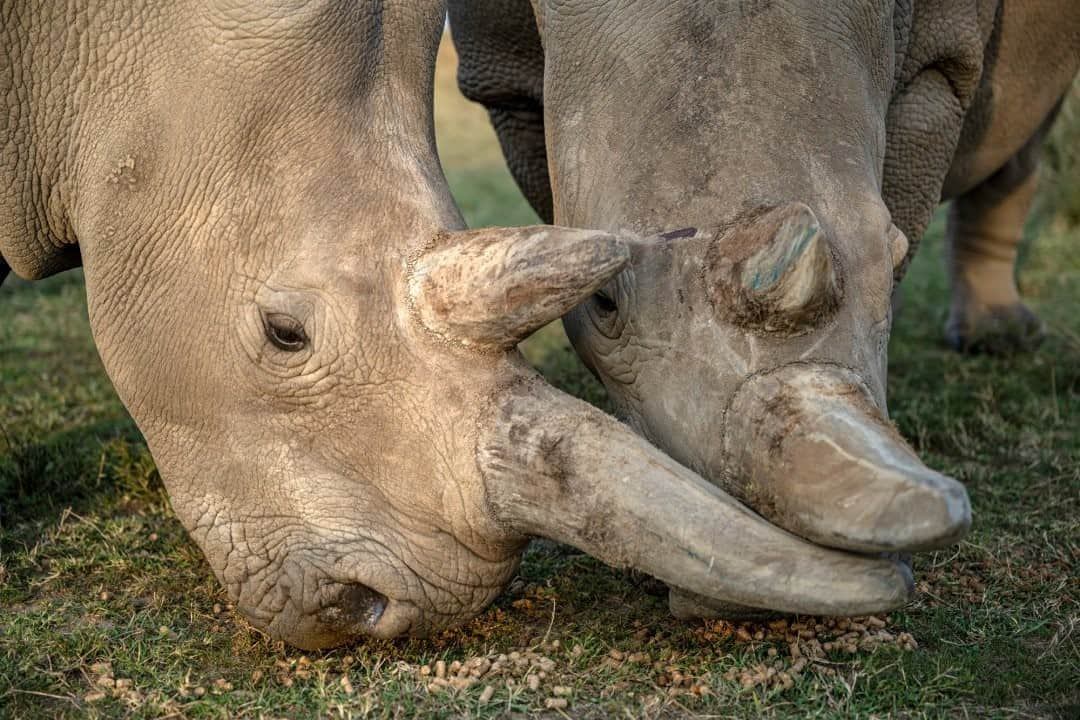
{"x": 95, "y": 569}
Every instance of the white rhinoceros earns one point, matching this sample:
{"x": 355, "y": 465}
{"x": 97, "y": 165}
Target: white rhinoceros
{"x": 799, "y": 144}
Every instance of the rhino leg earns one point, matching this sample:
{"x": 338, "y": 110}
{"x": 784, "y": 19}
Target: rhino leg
{"x": 985, "y": 227}
{"x": 502, "y": 68}
{"x": 4, "y": 270}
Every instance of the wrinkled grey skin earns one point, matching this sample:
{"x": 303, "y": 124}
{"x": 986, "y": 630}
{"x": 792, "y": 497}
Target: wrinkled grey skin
{"x": 321, "y": 360}
{"x": 684, "y": 121}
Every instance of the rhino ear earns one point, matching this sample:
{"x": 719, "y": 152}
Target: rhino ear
{"x": 495, "y": 287}
{"x": 784, "y": 280}
{"x": 898, "y": 246}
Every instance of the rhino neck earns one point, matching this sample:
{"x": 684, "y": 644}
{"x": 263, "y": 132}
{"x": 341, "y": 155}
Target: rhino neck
{"x": 41, "y": 70}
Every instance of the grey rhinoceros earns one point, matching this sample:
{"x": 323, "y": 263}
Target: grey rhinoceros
{"x": 775, "y": 156}
{"x": 321, "y": 360}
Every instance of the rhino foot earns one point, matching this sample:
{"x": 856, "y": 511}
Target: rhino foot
{"x": 994, "y": 329}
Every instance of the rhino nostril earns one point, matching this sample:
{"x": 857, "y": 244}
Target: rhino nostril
{"x": 358, "y": 607}
{"x": 362, "y": 604}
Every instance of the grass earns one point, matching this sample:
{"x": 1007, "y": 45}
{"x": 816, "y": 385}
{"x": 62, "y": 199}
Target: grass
{"x": 110, "y": 611}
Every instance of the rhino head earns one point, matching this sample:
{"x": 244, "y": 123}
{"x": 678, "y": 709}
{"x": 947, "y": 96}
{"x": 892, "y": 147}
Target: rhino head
{"x": 751, "y": 356}
{"x": 321, "y": 360}
{"x": 751, "y": 147}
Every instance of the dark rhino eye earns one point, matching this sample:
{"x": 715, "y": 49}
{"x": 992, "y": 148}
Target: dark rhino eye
{"x": 285, "y": 332}
{"x": 605, "y": 303}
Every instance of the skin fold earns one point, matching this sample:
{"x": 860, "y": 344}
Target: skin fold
{"x": 322, "y": 360}
{"x": 776, "y": 164}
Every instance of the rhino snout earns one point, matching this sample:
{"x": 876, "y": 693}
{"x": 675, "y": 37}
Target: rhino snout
{"x": 344, "y": 612}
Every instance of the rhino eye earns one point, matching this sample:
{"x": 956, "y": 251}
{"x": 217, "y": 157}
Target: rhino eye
{"x": 285, "y": 332}
{"x": 605, "y": 303}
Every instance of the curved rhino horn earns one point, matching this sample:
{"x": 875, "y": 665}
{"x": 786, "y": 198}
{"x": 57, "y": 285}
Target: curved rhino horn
{"x": 556, "y": 467}
{"x": 785, "y": 278}
{"x": 812, "y": 453}
{"x": 495, "y": 287}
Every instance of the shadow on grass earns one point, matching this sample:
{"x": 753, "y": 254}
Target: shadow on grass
{"x": 73, "y": 468}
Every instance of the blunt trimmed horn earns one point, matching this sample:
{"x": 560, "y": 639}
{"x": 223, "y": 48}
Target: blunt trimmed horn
{"x": 495, "y": 287}
{"x": 556, "y": 467}
{"x": 775, "y": 273}
{"x": 810, "y": 451}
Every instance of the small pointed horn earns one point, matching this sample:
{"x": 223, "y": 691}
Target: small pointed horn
{"x": 496, "y": 286}
{"x": 556, "y": 467}
{"x": 811, "y": 452}
{"x": 776, "y": 274}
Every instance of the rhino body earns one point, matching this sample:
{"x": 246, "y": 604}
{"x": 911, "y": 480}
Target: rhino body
{"x": 320, "y": 358}
{"x": 774, "y": 158}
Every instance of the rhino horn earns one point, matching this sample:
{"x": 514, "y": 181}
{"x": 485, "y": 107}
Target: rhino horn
{"x": 558, "y": 468}
{"x": 786, "y": 278}
{"x": 810, "y": 451}
{"x": 494, "y": 287}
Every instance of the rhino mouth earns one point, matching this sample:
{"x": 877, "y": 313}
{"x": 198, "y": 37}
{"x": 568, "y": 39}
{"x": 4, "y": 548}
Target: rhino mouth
{"x": 357, "y": 609}
{"x": 346, "y": 613}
